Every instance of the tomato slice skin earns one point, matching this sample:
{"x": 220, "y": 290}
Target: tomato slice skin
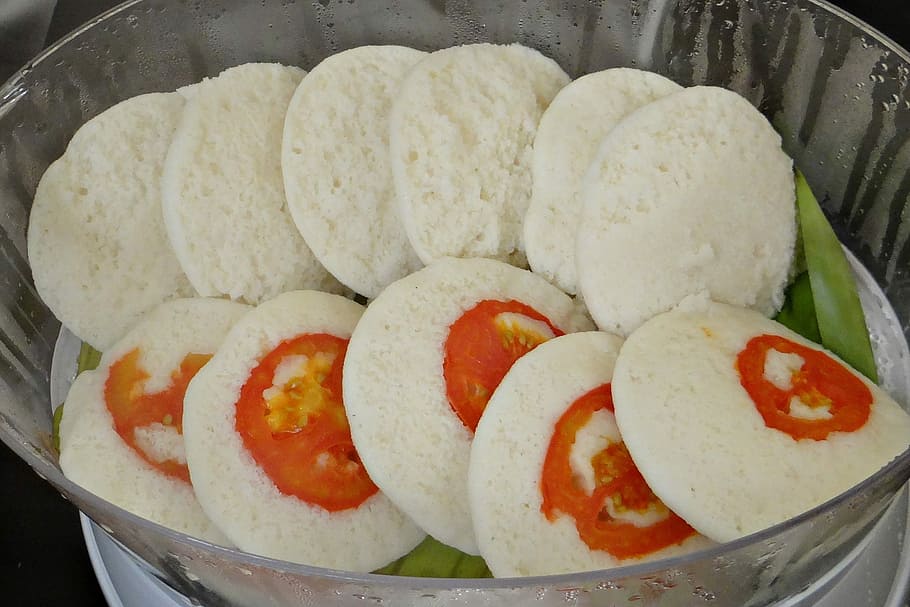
{"x": 616, "y": 479}
{"x": 310, "y": 456}
{"x": 821, "y": 380}
{"x": 479, "y": 352}
{"x": 131, "y": 408}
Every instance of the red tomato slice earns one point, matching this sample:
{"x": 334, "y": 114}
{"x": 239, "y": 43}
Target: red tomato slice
{"x": 617, "y": 480}
{"x": 481, "y": 347}
{"x": 296, "y": 429}
{"x": 131, "y": 408}
{"x": 821, "y": 381}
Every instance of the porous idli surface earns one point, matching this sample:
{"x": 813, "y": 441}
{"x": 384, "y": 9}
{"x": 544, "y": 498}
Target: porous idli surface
{"x": 95, "y": 455}
{"x": 689, "y": 195}
{"x": 224, "y": 205}
{"x": 232, "y": 486}
{"x": 336, "y": 166}
{"x": 413, "y": 444}
{"x": 97, "y": 245}
{"x": 568, "y": 137}
{"x": 461, "y": 137}
{"x": 514, "y": 439}
{"x": 701, "y": 439}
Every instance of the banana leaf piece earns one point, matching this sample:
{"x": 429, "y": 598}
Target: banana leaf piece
{"x": 432, "y": 558}
{"x": 88, "y": 358}
{"x": 798, "y": 312}
{"x": 841, "y": 322}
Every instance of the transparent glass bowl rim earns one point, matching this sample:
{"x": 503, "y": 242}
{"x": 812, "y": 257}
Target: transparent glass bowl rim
{"x": 48, "y": 471}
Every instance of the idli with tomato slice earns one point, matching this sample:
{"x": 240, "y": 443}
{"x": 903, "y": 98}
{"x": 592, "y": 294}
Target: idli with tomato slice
{"x": 97, "y": 244}
{"x": 422, "y": 364}
{"x": 223, "y": 197}
{"x": 690, "y": 195}
{"x": 121, "y": 430}
{"x": 461, "y": 134}
{"x": 738, "y": 423}
{"x": 549, "y": 468}
{"x": 269, "y": 447}
{"x": 335, "y": 162}
{"x": 568, "y": 137}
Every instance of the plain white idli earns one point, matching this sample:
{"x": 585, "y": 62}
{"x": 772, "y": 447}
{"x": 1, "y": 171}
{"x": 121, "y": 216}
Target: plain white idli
{"x": 701, "y": 442}
{"x": 689, "y": 195}
{"x": 461, "y": 135}
{"x": 145, "y": 470}
{"x": 335, "y": 162}
{"x": 223, "y": 196}
{"x": 97, "y": 245}
{"x": 517, "y": 435}
{"x": 412, "y": 442}
{"x": 232, "y": 482}
{"x": 568, "y": 137}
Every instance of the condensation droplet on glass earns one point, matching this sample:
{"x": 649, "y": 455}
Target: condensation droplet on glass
{"x": 571, "y": 595}
{"x": 540, "y": 594}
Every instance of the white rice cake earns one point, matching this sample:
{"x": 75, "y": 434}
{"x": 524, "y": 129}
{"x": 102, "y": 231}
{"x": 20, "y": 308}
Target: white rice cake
{"x": 508, "y": 454}
{"x": 94, "y": 455}
{"x": 568, "y": 137}
{"x": 335, "y": 162}
{"x": 97, "y": 245}
{"x": 689, "y": 195}
{"x": 703, "y": 446}
{"x": 462, "y": 130}
{"x": 412, "y": 442}
{"x": 232, "y": 487}
{"x": 223, "y": 196}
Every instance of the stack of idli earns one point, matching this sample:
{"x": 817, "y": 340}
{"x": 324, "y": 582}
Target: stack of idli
{"x": 472, "y": 399}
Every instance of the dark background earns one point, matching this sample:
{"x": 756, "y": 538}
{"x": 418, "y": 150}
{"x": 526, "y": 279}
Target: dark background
{"x": 43, "y": 560}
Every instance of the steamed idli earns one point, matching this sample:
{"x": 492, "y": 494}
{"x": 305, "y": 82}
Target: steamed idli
{"x": 552, "y": 488}
{"x": 461, "y": 134}
{"x": 268, "y": 444}
{"x": 420, "y": 368}
{"x": 689, "y": 195}
{"x": 335, "y": 163}
{"x": 223, "y": 196}
{"x": 567, "y": 139}
{"x": 738, "y": 423}
{"x": 97, "y": 245}
{"x": 120, "y": 434}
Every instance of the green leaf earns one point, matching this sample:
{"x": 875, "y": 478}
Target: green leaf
{"x": 88, "y": 359}
{"x": 432, "y": 558}
{"x": 841, "y": 322}
{"x": 55, "y": 432}
{"x": 798, "y": 313}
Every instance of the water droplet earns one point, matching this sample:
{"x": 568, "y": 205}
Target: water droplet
{"x": 704, "y": 594}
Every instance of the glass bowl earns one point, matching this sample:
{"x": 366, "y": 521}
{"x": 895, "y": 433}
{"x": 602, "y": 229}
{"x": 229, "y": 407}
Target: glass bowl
{"x": 834, "y": 88}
